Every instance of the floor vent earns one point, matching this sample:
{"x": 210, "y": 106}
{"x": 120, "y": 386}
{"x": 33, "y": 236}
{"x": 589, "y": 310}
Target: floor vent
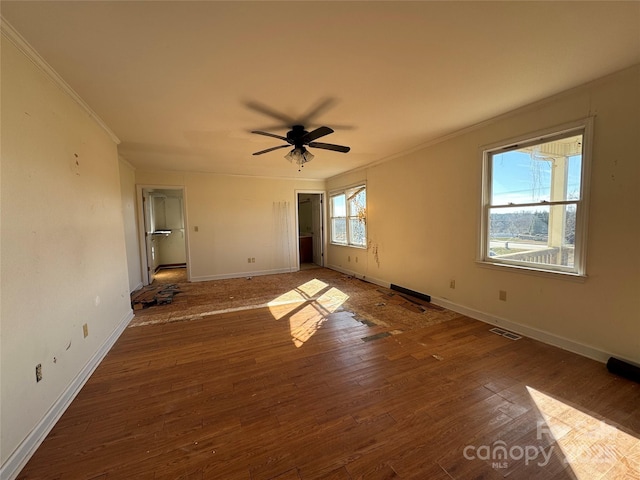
{"x": 505, "y": 333}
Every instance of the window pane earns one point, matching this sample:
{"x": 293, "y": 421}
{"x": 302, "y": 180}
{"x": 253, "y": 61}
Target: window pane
{"x": 338, "y": 206}
{"x": 339, "y": 230}
{"x": 574, "y": 177}
{"x": 543, "y": 172}
{"x": 357, "y": 202}
{"x": 348, "y": 217}
{"x": 533, "y": 235}
{"x": 358, "y": 232}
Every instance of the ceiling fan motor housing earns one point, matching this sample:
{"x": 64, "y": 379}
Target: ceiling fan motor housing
{"x": 296, "y": 134}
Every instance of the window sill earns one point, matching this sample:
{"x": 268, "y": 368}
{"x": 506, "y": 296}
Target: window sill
{"x": 349, "y": 246}
{"x": 572, "y": 277}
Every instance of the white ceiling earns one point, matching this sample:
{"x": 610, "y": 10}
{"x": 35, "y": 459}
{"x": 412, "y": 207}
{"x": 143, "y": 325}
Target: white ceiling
{"x": 175, "y": 79}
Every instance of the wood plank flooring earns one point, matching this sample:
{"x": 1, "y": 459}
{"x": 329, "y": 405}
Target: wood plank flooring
{"x": 294, "y": 392}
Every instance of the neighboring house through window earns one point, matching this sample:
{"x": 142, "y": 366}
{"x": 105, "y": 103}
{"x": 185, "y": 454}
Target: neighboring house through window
{"x": 534, "y": 208}
{"x": 348, "y": 217}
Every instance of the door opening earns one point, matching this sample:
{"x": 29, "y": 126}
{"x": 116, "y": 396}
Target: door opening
{"x": 163, "y": 243}
{"x": 310, "y": 230}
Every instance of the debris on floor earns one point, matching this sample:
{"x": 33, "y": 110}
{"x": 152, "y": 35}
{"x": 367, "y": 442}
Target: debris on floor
{"x": 320, "y": 287}
{"x": 153, "y": 295}
{"x": 407, "y": 301}
{"x": 377, "y": 336}
{"x": 368, "y": 323}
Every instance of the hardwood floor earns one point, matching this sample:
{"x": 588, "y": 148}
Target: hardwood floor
{"x": 307, "y": 391}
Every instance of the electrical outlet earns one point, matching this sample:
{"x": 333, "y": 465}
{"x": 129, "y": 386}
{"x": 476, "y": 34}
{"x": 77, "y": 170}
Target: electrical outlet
{"x": 195, "y": 228}
{"x": 356, "y": 259}
{"x": 248, "y": 259}
{"x": 349, "y": 258}
{"x": 38, "y": 372}
{"x": 452, "y": 284}
{"x": 85, "y": 330}
{"x": 502, "y": 295}
{"x": 253, "y": 259}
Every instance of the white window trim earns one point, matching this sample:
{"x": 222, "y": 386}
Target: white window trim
{"x": 582, "y": 207}
{"x": 343, "y": 191}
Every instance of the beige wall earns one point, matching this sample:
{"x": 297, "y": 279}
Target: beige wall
{"x": 423, "y": 214}
{"x": 237, "y": 218}
{"x": 63, "y": 259}
{"x": 128, "y": 191}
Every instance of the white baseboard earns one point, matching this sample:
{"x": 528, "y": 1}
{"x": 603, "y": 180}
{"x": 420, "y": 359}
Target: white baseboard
{"x": 257, "y": 273}
{"x": 137, "y": 287}
{"x": 19, "y": 458}
{"x": 534, "y": 333}
{"x": 526, "y": 331}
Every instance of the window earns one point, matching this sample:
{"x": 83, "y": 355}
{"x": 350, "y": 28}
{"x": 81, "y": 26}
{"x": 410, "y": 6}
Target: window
{"x": 348, "y": 217}
{"x": 534, "y": 207}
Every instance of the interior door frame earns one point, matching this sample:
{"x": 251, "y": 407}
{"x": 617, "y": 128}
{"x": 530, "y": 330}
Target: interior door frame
{"x": 323, "y": 221}
{"x": 142, "y": 219}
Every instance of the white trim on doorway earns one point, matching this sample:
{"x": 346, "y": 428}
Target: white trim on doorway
{"x": 140, "y": 189}
{"x": 323, "y": 227}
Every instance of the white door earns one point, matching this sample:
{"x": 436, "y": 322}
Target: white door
{"x": 148, "y": 234}
{"x": 316, "y": 223}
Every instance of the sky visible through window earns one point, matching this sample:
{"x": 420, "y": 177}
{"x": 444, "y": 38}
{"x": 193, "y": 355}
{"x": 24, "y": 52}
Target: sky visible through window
{"x": 519, "y": 178}
{"x": 339, "y": 206}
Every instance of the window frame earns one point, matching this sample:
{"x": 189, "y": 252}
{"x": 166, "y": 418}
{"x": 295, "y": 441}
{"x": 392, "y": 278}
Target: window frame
{"x": 349, "y": 215}
{"x": 584, "y": 127}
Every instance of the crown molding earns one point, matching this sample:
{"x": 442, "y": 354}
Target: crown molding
{"x": 126, "y": 162}
{"x": 11, "y": 34}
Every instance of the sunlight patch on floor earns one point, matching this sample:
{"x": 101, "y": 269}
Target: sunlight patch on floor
{"x": 304, "y": 324}
{"x": 303, "y": 293}
{"x": 332, "y": 299}
{"x": 312, "y": 287}
{"x": 307, "y": 308}
{"x": 592, "y": 448}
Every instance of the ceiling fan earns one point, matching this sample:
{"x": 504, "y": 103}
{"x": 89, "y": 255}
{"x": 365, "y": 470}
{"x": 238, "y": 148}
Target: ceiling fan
{"x": 300, "y": 139}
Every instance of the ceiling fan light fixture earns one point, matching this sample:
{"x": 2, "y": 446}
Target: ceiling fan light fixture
{"x": 307, "y": 155}
{"x": 299, "y": 156}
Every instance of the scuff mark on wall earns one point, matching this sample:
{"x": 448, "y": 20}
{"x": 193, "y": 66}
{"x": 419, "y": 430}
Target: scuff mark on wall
{"x": 76, "y": 165}
{"x": 373, "y": 248}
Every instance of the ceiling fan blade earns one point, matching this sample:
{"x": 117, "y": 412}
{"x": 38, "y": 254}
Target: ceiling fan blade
{"x": 322, "y": 105}
{"x": 258, "y": 107}
{"x": 315, "y": 125}
{"x": 271, "y": 149}
{"x": 317, "y": 133}
{"x": 270, "y": 135}
{"x": 330, "y": 146}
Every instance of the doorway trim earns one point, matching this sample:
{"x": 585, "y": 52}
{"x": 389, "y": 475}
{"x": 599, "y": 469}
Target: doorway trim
{"x": 323, "y": 226}
{"x": 141, "y": 220}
